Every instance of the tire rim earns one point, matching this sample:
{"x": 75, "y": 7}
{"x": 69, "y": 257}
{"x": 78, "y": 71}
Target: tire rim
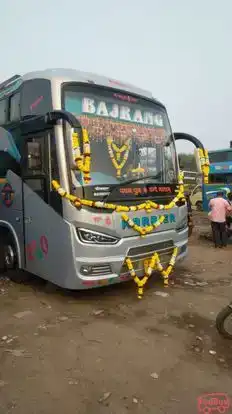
{"x": 9, "y": 257}
{"x": 228, "y": 324}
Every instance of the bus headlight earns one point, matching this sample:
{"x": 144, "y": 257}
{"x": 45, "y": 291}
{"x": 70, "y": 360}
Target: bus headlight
{"x": 93, "y": 237}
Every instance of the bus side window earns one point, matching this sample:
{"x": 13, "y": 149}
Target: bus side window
{"x": 35, "y": 157}
{"x": 3, "y": 111}
{"x": 15, "y": 107}
{"x": 54, "y": 162}
{"x": 34, "y": 166}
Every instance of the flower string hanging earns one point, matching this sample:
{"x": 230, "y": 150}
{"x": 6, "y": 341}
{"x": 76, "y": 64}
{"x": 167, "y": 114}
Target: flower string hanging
{"x": 124, "y": 148}
{"x": 148, "y": 206}
{"x": 166, "y": 272}
{"x": 83, "y": 162}
{"x": 149, "y": 268}
{"x": 143, "y": 230}
{"x": 204, "y": 161}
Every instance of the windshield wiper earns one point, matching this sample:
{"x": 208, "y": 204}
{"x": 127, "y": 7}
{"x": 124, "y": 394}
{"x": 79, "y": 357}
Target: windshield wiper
{"x": 132, "y": 181}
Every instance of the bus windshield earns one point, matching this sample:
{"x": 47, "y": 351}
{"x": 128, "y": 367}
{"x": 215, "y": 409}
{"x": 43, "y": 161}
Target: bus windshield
{"x": 130, "y": 137}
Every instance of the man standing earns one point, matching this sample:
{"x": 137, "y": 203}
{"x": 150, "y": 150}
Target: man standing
{"x": 218, "y": 211}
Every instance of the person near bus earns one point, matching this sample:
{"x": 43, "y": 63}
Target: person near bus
{"x": 229, "y": 216}
{"x": 190, "y": 213}
{"x": 219, "y": 208}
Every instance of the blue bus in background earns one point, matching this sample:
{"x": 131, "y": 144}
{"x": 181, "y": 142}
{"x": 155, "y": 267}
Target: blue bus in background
{"x": 220, "y": 175}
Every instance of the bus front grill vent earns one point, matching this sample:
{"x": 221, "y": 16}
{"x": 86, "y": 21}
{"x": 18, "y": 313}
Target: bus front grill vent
{"x": 96, "y": 270}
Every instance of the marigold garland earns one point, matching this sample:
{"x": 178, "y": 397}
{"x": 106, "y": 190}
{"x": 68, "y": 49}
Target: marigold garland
{"x": 142, "y": 230}
{"x": 138, "y": 170}
{"x": 153, "y": 265}
{"x": 147, "y": 205}
{"x": 166, "y": 272}
{"x": 82, "y": 162}
{"x": 119, "y": 150}
{"x": 204, "y": 161}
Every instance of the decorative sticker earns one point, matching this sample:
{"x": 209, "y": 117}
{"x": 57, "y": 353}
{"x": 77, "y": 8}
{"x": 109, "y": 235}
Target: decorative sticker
{"x": 7, "y": 194}
{"x": 36, "y": 103}
{"x": 37, "y": 250}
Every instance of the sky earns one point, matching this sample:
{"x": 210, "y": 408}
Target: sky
{"x": 180, "y": 50}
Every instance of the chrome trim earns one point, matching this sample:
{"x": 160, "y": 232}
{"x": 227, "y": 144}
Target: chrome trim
{"x": 79, "y": 229}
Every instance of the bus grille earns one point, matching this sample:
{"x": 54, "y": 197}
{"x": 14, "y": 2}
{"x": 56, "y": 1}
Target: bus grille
{"x": 139, "y": 254}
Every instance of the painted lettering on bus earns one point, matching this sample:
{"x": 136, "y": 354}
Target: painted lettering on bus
{"x": 147, "y": 221}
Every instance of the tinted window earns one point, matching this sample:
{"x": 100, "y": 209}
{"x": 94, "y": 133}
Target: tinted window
{"x": 221, "y": 156}
{"x": 35, "y": 156}
{"x": 3, "y": 111}
{"x": 36, "y": 97}
{"x": 220, "y": 178}
{"x": 14, "y": 107}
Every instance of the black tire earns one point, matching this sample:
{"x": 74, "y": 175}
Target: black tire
{"x": 8, "y": 253}
{"x": 220, "y": 322}
{"x": 199, "y": 205}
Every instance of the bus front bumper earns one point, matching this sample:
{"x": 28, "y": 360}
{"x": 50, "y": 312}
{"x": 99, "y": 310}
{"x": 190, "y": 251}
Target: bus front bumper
{"x": 104, "y": 270}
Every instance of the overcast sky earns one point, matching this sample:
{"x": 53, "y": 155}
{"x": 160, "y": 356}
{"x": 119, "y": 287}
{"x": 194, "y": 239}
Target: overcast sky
{"x": 178, "y": 49}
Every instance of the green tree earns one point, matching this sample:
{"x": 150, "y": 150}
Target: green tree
{"x": 187, "y": 162}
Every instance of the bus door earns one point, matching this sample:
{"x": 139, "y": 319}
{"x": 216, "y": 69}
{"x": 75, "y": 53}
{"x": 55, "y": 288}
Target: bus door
{"x": 39, "y": 202}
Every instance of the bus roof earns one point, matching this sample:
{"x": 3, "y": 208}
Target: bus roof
{"x": 73, "y": 75}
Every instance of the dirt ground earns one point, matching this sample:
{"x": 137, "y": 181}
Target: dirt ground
{"x": 104, "y": 351}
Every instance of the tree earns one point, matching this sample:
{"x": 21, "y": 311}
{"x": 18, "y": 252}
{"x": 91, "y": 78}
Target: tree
{"x": 187, "y": 162}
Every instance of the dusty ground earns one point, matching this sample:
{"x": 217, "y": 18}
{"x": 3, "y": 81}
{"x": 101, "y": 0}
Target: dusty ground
{"x": 103, "y": 351}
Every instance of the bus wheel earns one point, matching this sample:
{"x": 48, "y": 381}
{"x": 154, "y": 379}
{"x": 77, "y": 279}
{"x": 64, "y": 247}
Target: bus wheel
{"x": 11, "y": 261}
{"x": 199, "y": 206}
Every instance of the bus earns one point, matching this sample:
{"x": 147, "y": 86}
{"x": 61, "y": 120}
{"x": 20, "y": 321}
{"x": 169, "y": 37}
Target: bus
{"x": 220, "y": 175}
{"x": 133, "y": 160}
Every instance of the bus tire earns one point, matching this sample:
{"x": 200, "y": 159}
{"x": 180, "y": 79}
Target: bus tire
{"x": 223, "y": 315}
{"x": 10, "y": 259}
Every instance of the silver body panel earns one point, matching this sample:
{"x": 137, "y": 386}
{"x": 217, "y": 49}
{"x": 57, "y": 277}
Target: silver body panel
{"x": 66, "y": 254}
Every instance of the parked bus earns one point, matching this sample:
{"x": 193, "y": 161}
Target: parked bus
{"x": 45, "y": 234}
{"x": 220, "y": 175}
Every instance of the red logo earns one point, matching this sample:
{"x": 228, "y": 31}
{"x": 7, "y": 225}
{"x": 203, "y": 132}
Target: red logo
{"x": 213, "y": 403}
{"x": 7, "y": 195}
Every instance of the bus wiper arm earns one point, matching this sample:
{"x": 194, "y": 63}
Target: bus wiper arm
{"x": 132, "y": 181}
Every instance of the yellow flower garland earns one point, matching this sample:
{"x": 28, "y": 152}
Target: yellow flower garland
{"x": 147, "y": 205}
{"x": 204, "y": 161}
{"x": 142, "y": 230}
{"x": 82, "y": 162}
{"x": 153, "y": 264}
{"x": 138, "y": 170}
{"x": 166, "y": 272}
{"x": 124, "y": 148}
